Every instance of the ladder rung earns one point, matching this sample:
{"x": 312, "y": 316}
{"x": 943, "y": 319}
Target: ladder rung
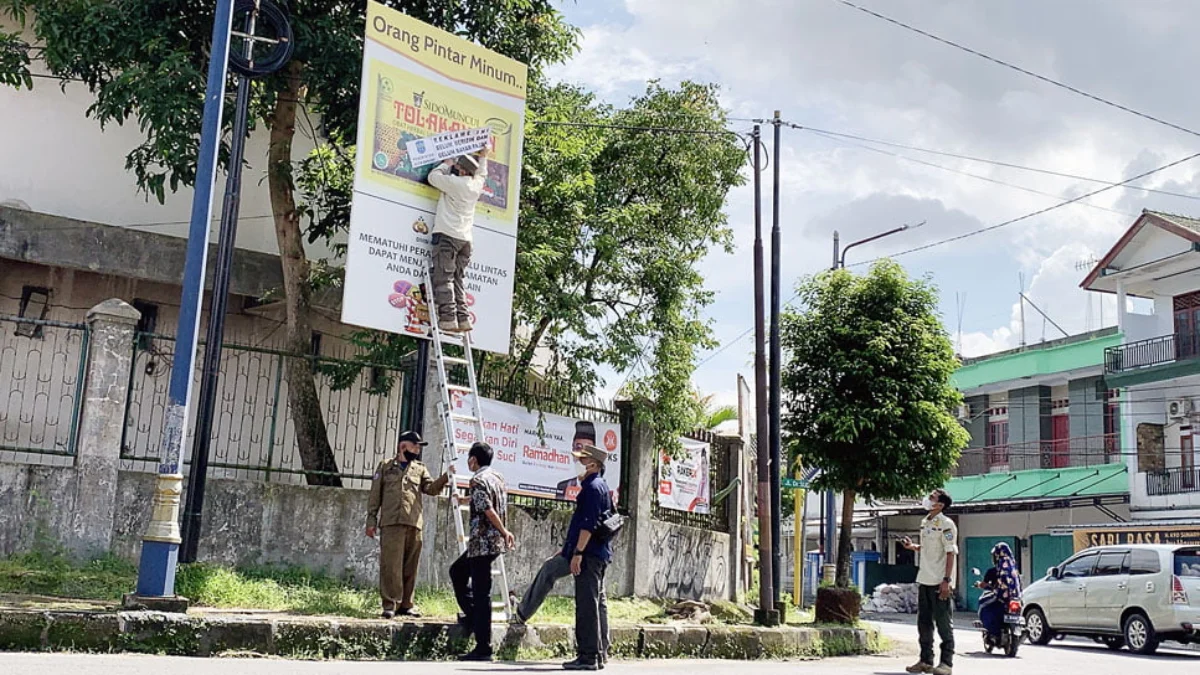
{"x": 464, "y": 418}
{"x": 460, "y": 387}
{"x": 456, "y": 361}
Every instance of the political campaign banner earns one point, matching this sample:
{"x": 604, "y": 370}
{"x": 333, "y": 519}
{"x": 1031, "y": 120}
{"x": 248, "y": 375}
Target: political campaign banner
{"x": 447, "y": 145}
{"x": 533, "y": 449}
{"x": 422, "y": 85}
{"x": 683, "y": 483}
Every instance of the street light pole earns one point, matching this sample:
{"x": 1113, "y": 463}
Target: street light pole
{"x": 774, "y": 431}
{"x": 160, "y": 544}
{"x": 839, "y": 261}
{"x": 767, "y": 614}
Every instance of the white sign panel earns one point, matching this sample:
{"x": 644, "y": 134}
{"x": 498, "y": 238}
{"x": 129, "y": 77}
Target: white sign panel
{"x": 434, "y": 149}
{"x": 424, "y": 86}
{"x": 683, "y": 481}
{"x": 531, "y": 467}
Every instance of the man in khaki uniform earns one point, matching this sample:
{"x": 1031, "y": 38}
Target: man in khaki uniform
{"x": 395, "y": 510}
{"x": 936, "y": 574}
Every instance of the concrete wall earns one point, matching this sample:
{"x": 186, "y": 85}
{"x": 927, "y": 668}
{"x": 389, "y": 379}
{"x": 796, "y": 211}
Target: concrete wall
{"x": 49, "y": 123}
{"x": 92, "y": 506}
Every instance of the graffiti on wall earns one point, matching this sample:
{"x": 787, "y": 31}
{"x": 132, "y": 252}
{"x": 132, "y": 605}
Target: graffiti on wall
{"x": 689, "y": 564}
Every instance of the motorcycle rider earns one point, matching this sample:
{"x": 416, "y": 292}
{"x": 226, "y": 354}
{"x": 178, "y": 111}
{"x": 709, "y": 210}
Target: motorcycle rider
{"x": 1003, "y": 585}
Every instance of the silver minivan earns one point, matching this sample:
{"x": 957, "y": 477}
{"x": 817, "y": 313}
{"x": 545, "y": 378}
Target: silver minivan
{"x": 1134, "y": 595}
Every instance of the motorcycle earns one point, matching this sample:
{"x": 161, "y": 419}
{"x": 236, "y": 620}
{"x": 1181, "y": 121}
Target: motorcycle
{"x": 1013, "y": 630}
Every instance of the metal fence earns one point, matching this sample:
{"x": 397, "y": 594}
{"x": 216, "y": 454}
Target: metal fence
{"x": 41, "y": 389}
{"x": 1064, "y": 453}
{"x": 253, "y": 436}
{"x": 1173, "y": 481}
{"x": 719, "y": 477}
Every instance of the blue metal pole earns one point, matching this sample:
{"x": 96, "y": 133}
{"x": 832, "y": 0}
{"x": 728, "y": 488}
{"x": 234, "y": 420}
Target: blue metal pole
{"x": 160, "y": 544}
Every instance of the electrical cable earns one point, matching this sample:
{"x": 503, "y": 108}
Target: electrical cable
{"x": 1031, "y": 214}
{"x": 1019, "y": 69}
{"x": 969, "y": 158}
{"x": 972, "y": 175}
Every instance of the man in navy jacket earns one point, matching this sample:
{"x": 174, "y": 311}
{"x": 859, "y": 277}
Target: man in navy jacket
{"x": 589, "y": 555}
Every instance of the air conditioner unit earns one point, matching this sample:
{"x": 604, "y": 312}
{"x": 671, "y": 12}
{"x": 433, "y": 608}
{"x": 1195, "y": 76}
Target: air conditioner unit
{"x": 964, "y": 412}
{"x": 1179, "y": 408}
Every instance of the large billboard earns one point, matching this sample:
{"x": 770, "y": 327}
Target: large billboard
{"x": 533, "y": 450}
{"x": 418, "y": 83}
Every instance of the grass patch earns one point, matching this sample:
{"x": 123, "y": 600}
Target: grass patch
{"x": 286, "y": 589}
{"x": 49, "y": 574}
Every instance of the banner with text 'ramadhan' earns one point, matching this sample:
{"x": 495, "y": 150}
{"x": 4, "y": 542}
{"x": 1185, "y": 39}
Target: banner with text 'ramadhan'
{"x": 537, "y": 464}
{"x": 683, "y": 483}
{"x": 421, "y": 84}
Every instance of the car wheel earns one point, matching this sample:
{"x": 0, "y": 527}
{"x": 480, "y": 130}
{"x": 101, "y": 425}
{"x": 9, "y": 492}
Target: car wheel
{"x": 1114, "y": 643}
{"x": 1039, "y": 631}
{"x": 1140, "y": 635}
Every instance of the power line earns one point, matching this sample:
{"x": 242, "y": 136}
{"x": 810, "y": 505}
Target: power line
{"x": 969, "y": 158}
{"x": 988, "y": 179}
{"x": 1032, "y": 214}
{"x": 1019, "y": 69}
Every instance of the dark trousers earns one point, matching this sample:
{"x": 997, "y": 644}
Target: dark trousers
{"x": 591, "y": 610}
{"x": 556, "y": 567}
{"x": 472, "y": 579}
{"x": 991, "y": 614}
{"x": 933, "y": 611}
{"x": 450, "y": 260}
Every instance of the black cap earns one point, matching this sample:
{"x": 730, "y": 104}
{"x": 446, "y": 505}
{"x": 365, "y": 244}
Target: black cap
{"x": 411, "y": 437}
{"x": 585, "y": 430}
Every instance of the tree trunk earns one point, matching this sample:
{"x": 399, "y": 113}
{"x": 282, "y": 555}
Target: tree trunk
{"x": 520, "y": 370}
{"x": 843, "y": 555}
{"x": 311, "y": 437}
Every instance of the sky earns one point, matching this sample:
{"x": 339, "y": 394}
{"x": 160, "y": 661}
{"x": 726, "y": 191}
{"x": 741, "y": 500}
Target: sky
{"x": 831, "y": 67}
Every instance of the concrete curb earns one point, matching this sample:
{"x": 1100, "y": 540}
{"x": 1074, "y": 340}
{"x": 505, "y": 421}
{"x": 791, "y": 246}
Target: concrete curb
{"x": 353, "y": 639}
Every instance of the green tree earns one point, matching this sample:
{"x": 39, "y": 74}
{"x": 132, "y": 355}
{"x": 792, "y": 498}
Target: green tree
{"x": 145, "y": 61}
{"x": 709, "y": 415}
{"x": 867, "y": 389}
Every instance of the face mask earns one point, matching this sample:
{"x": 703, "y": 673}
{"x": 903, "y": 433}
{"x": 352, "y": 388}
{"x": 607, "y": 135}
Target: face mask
{"x": 412, "y": 456}
{"x": 927, "y": 503}
{"x": 582, "y": 472}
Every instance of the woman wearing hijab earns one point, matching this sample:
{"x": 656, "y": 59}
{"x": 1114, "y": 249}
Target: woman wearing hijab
{"x": 1003, "y": 581}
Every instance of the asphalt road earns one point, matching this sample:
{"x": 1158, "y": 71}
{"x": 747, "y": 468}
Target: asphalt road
{"x": 1065, "y": 658}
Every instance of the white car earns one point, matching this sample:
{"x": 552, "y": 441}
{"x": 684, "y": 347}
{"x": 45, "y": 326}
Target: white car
{"x": 1134, "y": 595}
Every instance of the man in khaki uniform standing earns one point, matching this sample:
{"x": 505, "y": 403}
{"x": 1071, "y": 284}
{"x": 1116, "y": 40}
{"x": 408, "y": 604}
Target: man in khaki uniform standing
{"x": 395, "y": 511}
{"x": 936, "y": 574}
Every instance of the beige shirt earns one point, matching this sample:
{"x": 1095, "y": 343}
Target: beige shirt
{"x": 396, "y": 494}
{"x": 455, "y": 216}
{"x": 939, "y": 538}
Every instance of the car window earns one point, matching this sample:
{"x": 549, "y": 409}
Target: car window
{"x": 1112, "y": 563}
{"x": 1079, "y": 567}
{"x": 1142, "y": 561}
{"x": 1187, "y": 563}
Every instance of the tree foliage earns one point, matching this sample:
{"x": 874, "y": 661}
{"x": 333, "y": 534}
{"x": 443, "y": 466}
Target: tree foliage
{"x": 867, "y": 388}
{"x": 144, "y": 61}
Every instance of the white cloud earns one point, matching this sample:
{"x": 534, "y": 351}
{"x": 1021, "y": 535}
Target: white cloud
{"x": 831, "y": 67}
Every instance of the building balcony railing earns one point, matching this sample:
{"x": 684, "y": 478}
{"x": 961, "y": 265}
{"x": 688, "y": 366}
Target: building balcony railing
{"x": 1060, "y": 454}
{"x": 1173, "y": 481}
{"x": 1157, "y": 351}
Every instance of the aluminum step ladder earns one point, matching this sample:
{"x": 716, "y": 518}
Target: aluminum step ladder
{"x": 453, "y": 444}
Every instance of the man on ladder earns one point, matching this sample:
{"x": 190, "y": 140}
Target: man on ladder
{"x": 461, "y": 182}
